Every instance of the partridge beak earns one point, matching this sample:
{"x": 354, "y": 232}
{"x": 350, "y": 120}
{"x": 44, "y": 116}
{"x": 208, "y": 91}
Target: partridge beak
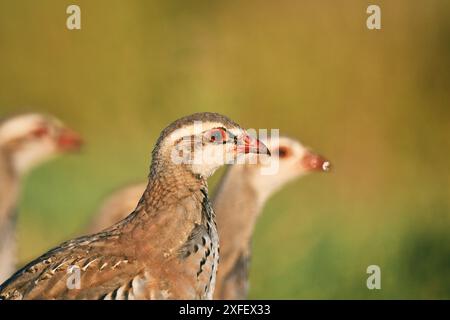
{"x": 315, "y": 162}
{"x": 250, "y": 144}
{"x": 69, "y": 140}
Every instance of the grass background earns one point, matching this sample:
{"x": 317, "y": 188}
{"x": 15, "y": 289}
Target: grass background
{"x": 376, "y": 103}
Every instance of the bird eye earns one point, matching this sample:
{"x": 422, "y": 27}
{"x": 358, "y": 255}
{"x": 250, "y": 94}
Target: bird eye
{"x": 283, "y": 152}
{"x": 40, "y": 132}
{"x": 218, "y": 135}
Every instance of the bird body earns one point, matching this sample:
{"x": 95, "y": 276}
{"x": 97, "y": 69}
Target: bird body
{"x": 135, "y": 252}
{"x": 168, "y": 248}
{"x": 239, "y": 201}
{"x": 238, "y": 205}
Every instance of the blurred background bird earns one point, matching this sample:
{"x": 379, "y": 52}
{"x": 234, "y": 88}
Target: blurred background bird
{"x": 375, "y": 101}
{"x": 238, "y": 202}
{"x": 240, "y": 199}
{"x": 116, "y": 206}
{"x": 26, "y": 141}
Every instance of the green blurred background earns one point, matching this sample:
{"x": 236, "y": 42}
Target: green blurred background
{"x": 376, "y": 103}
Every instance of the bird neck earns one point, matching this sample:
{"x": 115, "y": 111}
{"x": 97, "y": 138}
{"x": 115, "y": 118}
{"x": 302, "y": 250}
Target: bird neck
{"x": 9, "y": 188}
{"x": 168, "y": 184}
{"x": 237, "y": 207}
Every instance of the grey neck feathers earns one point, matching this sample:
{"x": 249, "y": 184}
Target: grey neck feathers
{"x": 9, "y": 188}
{"x": 237, "y": 208}
{"x": 9, "y": 194}
{"x": 169, "y": 183}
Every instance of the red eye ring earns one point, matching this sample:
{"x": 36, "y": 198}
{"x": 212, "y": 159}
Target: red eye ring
{"x": 217, "y": 135}
{"x": 283, "y": 152}
{"x": 40, "y": 132}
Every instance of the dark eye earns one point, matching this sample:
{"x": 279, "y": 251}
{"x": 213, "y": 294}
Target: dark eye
{"x": 218, "y": 135}
{"x": 283, "y": 152}
{"x": 40, "y": 132}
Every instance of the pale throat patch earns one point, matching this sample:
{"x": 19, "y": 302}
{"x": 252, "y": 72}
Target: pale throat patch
{"x": 32, "y": 155}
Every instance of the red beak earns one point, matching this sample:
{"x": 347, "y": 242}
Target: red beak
{"x": 69, "y": 140}
{"x": 252, "y": 145}
{"x": 315, "y": 162}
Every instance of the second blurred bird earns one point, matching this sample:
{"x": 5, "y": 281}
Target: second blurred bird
{"x": 238, "y": 202}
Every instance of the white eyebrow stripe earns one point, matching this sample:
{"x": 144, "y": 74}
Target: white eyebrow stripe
{"x": 196, "y": 128}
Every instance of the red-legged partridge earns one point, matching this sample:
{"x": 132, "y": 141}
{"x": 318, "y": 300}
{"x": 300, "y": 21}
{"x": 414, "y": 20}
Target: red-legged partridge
{"x": 168, "y": 247}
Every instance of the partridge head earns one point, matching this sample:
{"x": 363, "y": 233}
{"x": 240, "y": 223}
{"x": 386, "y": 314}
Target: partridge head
{"x": 202, "y": 143}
